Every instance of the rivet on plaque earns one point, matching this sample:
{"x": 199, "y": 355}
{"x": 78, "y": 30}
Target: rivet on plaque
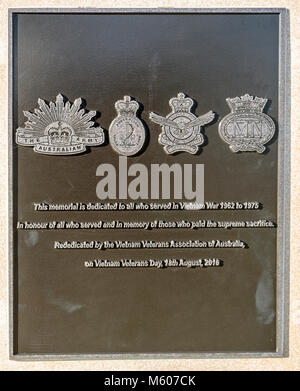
{"x": 181, "y": 129}
{"x": 247, "y": 128}
{"x": 127, "y": 133}
{"x": 60, "y": 128}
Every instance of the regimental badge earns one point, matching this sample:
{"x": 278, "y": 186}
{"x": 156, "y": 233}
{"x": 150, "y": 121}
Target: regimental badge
{"x": 247, "y": 128}
{"x": 126, "y": 132}
{"x": 60, "y": 128}
{"x": 181, "y": 130}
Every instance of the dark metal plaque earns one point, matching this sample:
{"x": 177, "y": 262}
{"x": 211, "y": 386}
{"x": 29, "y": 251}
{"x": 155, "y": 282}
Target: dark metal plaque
{"x": 137, "y": 230}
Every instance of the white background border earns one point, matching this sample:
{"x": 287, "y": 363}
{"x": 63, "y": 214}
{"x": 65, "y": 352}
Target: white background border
{"x": 293, "y": 361}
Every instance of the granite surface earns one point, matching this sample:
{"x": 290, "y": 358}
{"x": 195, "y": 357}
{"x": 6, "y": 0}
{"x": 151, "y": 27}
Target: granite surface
{"x": 290, "y": 363}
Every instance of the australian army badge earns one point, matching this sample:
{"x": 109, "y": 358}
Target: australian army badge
{"x": 59, "y": 128}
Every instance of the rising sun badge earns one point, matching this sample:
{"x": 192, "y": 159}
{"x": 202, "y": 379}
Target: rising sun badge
{"x": 60, "y": 128}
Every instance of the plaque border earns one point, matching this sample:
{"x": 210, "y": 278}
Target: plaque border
{"x": 283, "y": 194}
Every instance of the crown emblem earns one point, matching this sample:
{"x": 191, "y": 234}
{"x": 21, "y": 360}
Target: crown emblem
{"x": 126, "y": 132}
{"x": 181, "y": 103}
{"x": 126, "y": 107}
{"x": 60, "y": 128}
{"x": 181, "y": 129}
{"x": 246, "y": 103}
{"x": 60, "y": 133}
{"x": 247, "y": 128}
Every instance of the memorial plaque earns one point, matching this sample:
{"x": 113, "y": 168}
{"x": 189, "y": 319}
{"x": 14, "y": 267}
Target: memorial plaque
{"x": 149, "y": 192}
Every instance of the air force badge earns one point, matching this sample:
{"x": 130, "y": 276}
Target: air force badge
{"x": 181, "y": 130}
{"x": 246, "y": 128}
{"x": 126, "y": 132}
{"x": 59, "y": 128}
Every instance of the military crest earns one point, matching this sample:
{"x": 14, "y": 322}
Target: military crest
{"x": 126, "y": 132}
{"x": 181, "y": 129}
{"x": 247, "y": 128}
{"x": 60, "y": 128}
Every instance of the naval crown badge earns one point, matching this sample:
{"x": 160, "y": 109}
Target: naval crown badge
{"x": 60, "y": 128}
{"x": 247, "y": 128}
{"x": 127, "y": 133}
{"x": 181, "y": 129}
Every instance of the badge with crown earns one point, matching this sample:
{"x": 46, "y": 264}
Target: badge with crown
{"x": 60, "y": 128}
{"x": 247, "y": 128}
{"x": 181, "y": 129}
{"x": 126, "y": 132}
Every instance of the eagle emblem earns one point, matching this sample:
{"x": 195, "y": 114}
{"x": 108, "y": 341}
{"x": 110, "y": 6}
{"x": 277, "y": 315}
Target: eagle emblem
{"x": 181, "y": 129}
